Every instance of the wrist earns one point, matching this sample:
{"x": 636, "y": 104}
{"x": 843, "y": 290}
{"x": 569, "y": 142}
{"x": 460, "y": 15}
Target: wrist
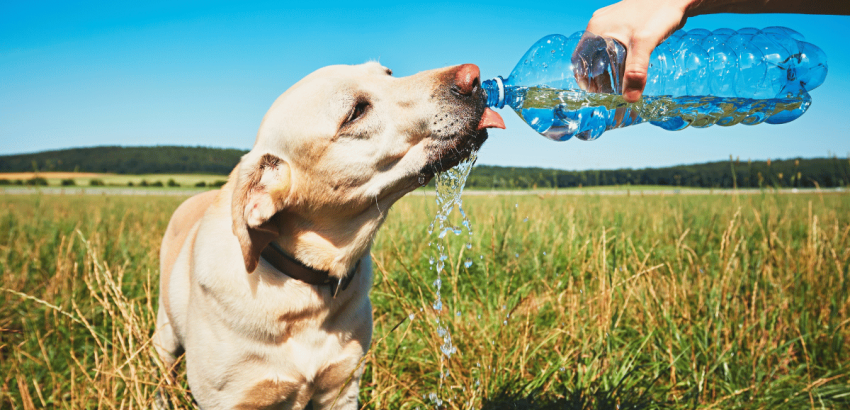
{"x": 698, "y": 7}
{"x": 691, "y": 8}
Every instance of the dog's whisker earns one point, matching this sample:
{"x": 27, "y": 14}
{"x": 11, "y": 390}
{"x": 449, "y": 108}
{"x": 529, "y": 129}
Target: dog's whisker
{"x": 377, "y": 205}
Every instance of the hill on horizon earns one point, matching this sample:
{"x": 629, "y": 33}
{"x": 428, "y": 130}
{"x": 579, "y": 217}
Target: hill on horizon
{"x": 795, "y": 172}
{"x": 127, "y": 160}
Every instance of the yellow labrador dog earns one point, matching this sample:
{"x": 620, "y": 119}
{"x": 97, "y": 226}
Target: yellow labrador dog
{"x": 264, "y": 283}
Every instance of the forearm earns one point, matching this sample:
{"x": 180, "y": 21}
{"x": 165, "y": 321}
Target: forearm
{"x": 698, "y": 7}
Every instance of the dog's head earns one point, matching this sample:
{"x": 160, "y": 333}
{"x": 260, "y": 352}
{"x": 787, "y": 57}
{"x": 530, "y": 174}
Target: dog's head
{"x": 342, "y": 145}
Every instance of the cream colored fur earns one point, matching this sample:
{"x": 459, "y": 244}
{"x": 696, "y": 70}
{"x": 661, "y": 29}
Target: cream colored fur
{"x": 320, "y": 186}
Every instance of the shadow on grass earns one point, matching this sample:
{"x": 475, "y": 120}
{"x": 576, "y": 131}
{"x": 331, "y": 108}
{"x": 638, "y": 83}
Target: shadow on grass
{"x": 626, "y": 395}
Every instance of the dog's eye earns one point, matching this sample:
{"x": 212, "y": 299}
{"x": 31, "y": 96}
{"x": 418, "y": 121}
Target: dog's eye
{"x": 357, "y": 112}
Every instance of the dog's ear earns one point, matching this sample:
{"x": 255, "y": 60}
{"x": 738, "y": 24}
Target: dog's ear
{"x": 262, "y": 187}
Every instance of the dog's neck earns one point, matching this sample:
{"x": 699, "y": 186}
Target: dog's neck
{"x": 334, "y": 248}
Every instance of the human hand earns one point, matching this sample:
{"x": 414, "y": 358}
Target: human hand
{"x": 639, "y": 25}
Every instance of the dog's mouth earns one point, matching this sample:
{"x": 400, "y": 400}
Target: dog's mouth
{"x": 464, "y": 134}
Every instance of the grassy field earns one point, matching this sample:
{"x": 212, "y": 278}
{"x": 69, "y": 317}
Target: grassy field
{"x": 83, "y": 179}
{"x": 573, "y": 302}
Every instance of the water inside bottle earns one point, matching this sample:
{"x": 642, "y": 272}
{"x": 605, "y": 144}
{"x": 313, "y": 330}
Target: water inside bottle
{"x": 561, "y": 114}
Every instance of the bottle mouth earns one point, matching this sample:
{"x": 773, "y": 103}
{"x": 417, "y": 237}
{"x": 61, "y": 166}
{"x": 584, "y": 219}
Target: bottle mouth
{"x": 495, "y": 89}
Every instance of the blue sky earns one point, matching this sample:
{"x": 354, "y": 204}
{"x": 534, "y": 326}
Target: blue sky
{"x": 204, "y": 73}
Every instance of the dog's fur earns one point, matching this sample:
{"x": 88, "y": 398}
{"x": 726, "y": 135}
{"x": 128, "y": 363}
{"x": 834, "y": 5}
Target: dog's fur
{"x": 332, "y": 154}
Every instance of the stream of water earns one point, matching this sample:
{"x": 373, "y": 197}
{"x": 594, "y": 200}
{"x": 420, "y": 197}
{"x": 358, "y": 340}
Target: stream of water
{"x": 449, "y": 190}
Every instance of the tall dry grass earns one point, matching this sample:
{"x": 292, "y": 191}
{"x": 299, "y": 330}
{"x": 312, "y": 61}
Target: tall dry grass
{"x": 593, "y": 302}
{"x": 79, "y": 288}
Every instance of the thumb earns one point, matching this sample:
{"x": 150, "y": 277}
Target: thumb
{"x": 637, "y": 64}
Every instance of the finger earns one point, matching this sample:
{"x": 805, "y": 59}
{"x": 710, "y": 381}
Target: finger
{"x": 637, "y": 64}
{"x": 580, "y": 66}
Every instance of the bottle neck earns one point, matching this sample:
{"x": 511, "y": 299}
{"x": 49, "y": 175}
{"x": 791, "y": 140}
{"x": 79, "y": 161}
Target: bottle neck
{"x": 495, "y": 89}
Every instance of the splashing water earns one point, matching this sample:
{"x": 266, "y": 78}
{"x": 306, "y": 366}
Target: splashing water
{"x": 449, "y": 190}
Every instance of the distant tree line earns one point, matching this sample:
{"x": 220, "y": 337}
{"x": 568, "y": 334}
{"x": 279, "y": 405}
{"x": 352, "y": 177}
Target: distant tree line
{"x": 127, "y": 160}
{"x": 803, "y": 173}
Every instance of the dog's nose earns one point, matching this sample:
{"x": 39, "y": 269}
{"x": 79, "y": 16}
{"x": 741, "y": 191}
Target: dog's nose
{"x": 467, "y": 78}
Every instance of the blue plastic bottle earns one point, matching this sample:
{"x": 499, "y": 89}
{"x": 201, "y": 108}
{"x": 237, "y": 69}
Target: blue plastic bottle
{"x": 696, "y": 78}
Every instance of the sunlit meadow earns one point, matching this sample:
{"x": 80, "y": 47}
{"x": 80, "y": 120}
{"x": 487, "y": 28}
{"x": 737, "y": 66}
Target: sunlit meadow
{"x": 572, "y": 302}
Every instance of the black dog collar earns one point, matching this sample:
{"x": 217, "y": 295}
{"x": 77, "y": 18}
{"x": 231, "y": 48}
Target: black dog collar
{"x": 297, "y": 270}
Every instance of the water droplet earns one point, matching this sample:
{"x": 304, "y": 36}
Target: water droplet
{"x": 421, "y": 180}
{"x": 431, "y": 260}
{"x": 438, "y": 306}
{"x": 437, "y": 283}
{"x": 516, "y": 205}
{"x": 468, "y": 263}
{"x": 479, "y": 317}
{"x": 457, "y": 230}
{"x": 544, "y": 253}
{"x": 526, "y": 219}
{"x": 505, "y": 323}
{"x": 411, "y": 316}
{"x": 516, "y": 255}
{"x": 457, "y": 313}
{"x": 469, "y": 245}
{"x": 562, "y": 369}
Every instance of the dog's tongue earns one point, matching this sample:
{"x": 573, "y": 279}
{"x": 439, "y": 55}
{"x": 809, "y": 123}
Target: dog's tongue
{"x": 491, "y": 119}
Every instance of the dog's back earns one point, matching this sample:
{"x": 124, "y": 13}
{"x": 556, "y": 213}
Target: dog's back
{"x": 183, "y": 223}
{"x": 185, "y": 217}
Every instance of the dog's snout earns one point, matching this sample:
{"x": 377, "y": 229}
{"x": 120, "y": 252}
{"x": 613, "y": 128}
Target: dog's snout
{"x": 467, "y": 79}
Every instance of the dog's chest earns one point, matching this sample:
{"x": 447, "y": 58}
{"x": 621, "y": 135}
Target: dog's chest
{"x": 296, "y": 371}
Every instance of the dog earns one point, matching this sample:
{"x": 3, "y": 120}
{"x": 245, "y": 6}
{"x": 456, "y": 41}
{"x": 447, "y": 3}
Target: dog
{"x": 265, "y": 283}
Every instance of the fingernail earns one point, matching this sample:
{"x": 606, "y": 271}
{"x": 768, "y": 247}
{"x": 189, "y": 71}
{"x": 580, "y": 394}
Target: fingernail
{"x": 631, "y": 95}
